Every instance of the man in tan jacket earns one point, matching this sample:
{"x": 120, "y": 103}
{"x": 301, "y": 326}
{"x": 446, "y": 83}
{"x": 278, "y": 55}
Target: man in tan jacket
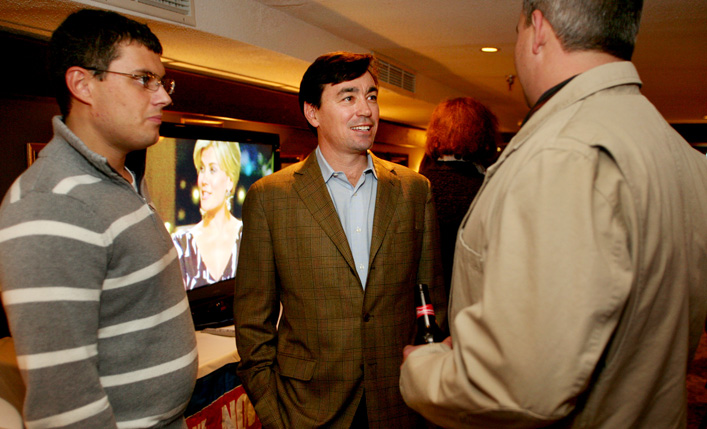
{"x": 578, "y": 293}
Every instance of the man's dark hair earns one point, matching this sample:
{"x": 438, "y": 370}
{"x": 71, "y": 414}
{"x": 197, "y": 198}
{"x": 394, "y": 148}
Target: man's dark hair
{"x": 333, "y": 68}
{"x": 90, "y": 38}
{"x": 608, "y": 26}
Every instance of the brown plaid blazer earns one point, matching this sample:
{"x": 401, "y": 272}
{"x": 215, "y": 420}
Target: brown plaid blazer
{"x": 334, "y": 341}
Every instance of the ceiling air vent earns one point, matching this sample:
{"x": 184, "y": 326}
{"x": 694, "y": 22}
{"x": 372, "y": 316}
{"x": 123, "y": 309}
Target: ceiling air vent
{"x": 179, "y": 6}
{"x": 396, "y": 76}
{"x": 181, "y": 11}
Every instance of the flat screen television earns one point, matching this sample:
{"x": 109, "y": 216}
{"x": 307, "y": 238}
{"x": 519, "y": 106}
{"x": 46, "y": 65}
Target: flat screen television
{"x": 175, "y": 191}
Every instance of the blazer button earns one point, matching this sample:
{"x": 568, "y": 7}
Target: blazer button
{"x": 366, "y": 317}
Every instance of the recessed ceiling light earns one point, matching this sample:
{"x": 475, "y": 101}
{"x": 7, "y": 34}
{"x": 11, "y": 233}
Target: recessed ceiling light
{"x": 489, "y": 49}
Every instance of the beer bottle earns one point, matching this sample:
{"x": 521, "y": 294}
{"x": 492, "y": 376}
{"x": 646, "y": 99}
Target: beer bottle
{"x": 427, "y": 329}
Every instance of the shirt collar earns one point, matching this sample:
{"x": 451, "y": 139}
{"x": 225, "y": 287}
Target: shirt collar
{"x": 547, "y": 95}
{"x": 328, "y": 172}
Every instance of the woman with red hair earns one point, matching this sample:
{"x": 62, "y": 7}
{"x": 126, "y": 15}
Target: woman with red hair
{"x": 462, "y": 140}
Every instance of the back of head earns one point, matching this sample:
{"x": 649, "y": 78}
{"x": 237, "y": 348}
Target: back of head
{"x": 608, "y": 26}
{"x": 90, "y": 38}
{"x": 464, "y": 128}
{"x": 333, "y": 68}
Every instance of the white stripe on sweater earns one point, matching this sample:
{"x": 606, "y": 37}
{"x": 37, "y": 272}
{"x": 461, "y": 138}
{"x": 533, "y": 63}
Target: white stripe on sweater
{"x": 151, "y": 372}
{"x": 60, "y": 229}
{"x": 66, "y": 230}
{"x": 59, "y": 357}
{"x": 144, "y": 323}
{"x": 151, "y": 421}
{"x": 66, "y": 185}
{"x": 63, "y": 187}
{"x": 70, "y": 417}
{"x": 130, "y": 219}
{"x": 45, "y": 294}
{"x": 141, "y": 274}
{"x": 53, "y": 228}
{"x": 15, "y": 191}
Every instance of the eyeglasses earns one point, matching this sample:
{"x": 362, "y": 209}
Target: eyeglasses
{"x": 150, "y": 81}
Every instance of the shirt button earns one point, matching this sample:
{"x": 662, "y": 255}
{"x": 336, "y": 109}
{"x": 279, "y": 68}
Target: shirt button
{"x": 360, "y": 266}
{"x": 358, "y": 229}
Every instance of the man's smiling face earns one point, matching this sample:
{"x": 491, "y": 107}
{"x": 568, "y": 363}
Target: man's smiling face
{"x": 347, "y": 118}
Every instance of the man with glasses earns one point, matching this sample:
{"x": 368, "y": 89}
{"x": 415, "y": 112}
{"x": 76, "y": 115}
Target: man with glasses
{"x": 90, "y": 279}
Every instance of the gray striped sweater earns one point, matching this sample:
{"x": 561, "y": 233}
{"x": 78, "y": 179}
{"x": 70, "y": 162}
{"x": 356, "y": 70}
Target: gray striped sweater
{"x": 93, "y": 292}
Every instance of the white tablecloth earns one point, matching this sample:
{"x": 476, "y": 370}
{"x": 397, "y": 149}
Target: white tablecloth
{"x": 215, "y": 351}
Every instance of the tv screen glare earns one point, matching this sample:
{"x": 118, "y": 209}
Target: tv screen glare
{"x": 184, "y": 204}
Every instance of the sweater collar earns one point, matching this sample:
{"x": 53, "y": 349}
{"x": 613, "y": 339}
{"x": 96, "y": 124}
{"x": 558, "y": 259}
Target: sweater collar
{"x": 96, "y": 160}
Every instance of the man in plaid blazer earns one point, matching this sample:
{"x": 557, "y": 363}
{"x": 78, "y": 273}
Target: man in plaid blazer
{"x": 335, "y": 244}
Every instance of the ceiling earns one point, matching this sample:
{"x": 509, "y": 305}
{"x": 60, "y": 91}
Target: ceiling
{"x": 271, "y": 42}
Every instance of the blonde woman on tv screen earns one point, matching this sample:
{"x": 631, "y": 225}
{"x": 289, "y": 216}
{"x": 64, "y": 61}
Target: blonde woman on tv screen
{"x": 208, "y": 252}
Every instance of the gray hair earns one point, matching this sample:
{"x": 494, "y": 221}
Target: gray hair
{"x": 607, "y": 26}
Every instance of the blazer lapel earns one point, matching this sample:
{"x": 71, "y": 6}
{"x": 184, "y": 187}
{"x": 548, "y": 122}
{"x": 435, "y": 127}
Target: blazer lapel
{"x": 386, "y": 202}
{"x": 313, "y": 192}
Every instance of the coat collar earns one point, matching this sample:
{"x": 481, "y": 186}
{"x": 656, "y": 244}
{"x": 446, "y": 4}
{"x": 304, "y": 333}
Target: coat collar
{"x": 580, "y": 87}
{"x": 309, "y": 185}
{"x": 389, "y": 191}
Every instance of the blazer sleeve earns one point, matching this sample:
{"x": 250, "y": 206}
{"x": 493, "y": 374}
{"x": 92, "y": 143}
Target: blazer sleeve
{"x": 256, "y": 310}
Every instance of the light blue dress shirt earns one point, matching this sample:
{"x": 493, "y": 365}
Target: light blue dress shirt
{"x": 355, "y": 206}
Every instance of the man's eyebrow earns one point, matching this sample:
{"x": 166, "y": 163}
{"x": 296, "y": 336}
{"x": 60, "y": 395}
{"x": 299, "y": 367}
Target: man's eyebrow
{"x": 352, "y": 89}
{"x": 347, "y": 90}
{"x": 148, "y": 72}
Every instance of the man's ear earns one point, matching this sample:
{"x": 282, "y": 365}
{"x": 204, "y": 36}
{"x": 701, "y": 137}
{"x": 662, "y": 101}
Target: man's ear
{"x": 310, "y": 112}
{"x": 78, "y": 81}
{"x": 541, "y": 30}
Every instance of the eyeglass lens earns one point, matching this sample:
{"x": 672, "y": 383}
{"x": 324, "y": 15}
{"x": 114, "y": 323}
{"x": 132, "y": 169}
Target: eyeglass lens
{"x": 153, "y": 83}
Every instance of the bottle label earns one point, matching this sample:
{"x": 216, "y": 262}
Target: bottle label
{"x": 425, "y": 310}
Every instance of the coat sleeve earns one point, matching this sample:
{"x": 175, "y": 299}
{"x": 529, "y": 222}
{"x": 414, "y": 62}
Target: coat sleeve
{"x": 544, "y": 272}
{"x": 256, "y": 310}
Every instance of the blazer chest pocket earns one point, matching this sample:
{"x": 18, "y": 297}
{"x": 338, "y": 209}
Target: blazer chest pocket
{"x": 295, "y": 367}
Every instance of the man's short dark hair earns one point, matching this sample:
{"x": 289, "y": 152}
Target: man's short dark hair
{"x": 333, "y": 68}
{"x": 607, "y": 26}
{"x": 89, "y": 38}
